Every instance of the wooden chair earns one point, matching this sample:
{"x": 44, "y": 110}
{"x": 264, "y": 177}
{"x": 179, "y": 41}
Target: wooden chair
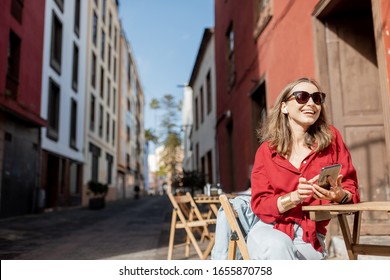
{"x": 190, "y": 222}
{"x": 236, "y": 237}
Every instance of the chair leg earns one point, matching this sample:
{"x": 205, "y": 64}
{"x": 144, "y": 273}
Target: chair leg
{"x": 191, "y": 236}
{"x": 188, "y": 243}
{"x": 232, "y": 250}
{"x": 172, "y": 235}
{"x": 209, "y": 247}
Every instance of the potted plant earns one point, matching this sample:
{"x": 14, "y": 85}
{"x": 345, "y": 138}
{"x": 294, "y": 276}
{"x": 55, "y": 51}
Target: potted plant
{"x": 97, "y": 194}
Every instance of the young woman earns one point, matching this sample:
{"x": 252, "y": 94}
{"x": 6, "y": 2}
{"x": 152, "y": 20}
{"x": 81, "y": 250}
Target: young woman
{"x": 297, "y": 142}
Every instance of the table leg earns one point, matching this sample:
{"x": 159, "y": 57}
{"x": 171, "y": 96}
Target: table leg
{"x": 357, "y": 217}
{"x": 347, "y": 235}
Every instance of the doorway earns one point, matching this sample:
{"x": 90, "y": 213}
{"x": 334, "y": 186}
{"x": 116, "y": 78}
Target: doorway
{"x": 348, "y": 70}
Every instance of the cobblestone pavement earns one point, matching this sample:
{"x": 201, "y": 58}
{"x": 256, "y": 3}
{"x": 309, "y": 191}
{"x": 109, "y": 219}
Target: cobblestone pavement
{"x": 125, "y": 230}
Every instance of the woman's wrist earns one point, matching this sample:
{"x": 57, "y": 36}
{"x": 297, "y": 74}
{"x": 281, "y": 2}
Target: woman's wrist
{"x": 288, "y": 201}
{"x": 295, "y": 197}
{"x": 342, "y": 196}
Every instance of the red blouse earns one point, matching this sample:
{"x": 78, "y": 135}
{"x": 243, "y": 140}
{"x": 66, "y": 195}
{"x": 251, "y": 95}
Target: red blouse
{"x": 274, "y": 176}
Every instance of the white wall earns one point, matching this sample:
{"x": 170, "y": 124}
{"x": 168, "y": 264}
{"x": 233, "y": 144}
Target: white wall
{"x": 205, "y": 135}
{"x": 64, "y": 80}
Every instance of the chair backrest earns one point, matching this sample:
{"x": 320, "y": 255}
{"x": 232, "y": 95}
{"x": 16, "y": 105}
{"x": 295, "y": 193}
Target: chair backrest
{"x": 186, "y": 207}
{"x": 236, "y": 237}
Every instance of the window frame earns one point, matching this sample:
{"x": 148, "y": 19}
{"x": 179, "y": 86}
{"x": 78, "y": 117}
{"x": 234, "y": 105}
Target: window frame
{"x": 56, "y": 47}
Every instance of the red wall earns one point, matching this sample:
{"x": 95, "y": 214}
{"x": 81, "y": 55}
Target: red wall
{"x": 30, "y": 31}
{"x": 276, "y": 55}
{"x": 237, "y": 100}
{"x": 286, "y": 49}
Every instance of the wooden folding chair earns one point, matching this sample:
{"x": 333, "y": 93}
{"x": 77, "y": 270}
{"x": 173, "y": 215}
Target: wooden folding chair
{"x": 236, "y": 237}
{"x": 190, "y": 221}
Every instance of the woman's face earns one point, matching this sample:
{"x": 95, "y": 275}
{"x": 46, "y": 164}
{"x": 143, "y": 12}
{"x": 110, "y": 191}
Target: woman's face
{"x": 305, "y": 114}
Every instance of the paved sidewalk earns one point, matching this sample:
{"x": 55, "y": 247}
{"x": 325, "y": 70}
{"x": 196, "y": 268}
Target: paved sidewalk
{"x": 128, "y": 229}
{"x": 124, "y": 230}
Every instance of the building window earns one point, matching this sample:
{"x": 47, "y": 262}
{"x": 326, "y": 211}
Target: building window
{"x": 13, "y": 65}
{"x": 210, "y": 167}
{"x": 93, "y": 70}
{"x": 263, "y": 14}
{"x": 102, "y": 46}
{"x": 102, "y": 82}
{"x": 73, "y": 124}
{"x": 115, "y": 38}
{"x": 128, "y": 161}
{"x": 95, "y": 151}
{"x": 113, "y": 100}
{"x": 77, "y": 17}
{"x": 109, "y": 24}
{"x": 113, "y": 132}
{"x": 107, "y": 127}
{"x": 196, "y": 114}
{"x": 104, "y": 10}
{"x": 60, "y": 4}
{"x": 53, "y": 110}
{"x": 128, "y": 71}
{"x": 110, "y": 160}
{"x": 114, "y": 74}
{"x": 56, "y": 44}
{"x": 94, "y": 29}
{"x": 230, "y": 57}
{"x": 108, "y": 92}
{"x": 109, "y": 59}
{"x": 208, "y": 92}
{"x": 92, "y": 113}
{"x": 201, "y": 105}
{"x": 17, "y": 9}
{"x": 101, "y": 120}
{"x": 128, "y": 133}
{"x": 75, "y": 72}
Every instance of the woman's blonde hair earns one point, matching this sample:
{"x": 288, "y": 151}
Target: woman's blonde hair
{"x": 276, "y": 130}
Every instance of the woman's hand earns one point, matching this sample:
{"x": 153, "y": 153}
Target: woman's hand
{"x": 333, "y": 194}
{"x": 304, "y": 190}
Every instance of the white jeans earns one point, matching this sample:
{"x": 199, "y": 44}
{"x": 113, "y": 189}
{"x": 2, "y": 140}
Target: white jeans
{"x": 266, "y": 243}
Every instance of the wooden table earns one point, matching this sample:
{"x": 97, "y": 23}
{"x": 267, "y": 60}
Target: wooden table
{"x": 212, "y": 201}
{"x": 354, "y": 248}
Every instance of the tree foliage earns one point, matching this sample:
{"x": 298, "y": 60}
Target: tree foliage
{"x": 169, "y": 134}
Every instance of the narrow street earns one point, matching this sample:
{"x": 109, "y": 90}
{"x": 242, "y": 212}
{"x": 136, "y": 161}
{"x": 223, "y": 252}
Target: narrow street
{"x": 128, "y": 229}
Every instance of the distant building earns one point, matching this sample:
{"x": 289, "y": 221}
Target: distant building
{"x": 63, "y": 102}
{"x": 131, "y": 140}
{"x": 203, "y": 137}
{"x": 102, "y": 83}
{"x": 21, "y": 48}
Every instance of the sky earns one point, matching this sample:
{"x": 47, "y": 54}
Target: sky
{"x": 165, "y": 36}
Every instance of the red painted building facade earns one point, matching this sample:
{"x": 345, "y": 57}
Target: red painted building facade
{"x": 262, "y": 45}
{"x": 21, "y": 45}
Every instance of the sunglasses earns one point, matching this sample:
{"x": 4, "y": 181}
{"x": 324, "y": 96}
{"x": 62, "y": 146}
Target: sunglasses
{"x": 302, "y": 97}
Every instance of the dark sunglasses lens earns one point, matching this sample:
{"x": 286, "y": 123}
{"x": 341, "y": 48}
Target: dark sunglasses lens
{"x": 317, "y": 99}
{"x": 302, "y": 97}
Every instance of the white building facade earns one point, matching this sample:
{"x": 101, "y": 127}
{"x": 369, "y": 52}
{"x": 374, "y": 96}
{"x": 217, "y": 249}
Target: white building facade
{"x": 131, "y": 142}
{"x": 63, "y": 102}
{"x": 203, "y": 137}
{"x": 101, "y": 110}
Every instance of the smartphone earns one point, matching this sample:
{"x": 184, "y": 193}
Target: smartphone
{"x": 328, "y": 171}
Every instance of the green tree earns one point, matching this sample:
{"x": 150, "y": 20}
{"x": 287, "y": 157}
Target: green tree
{"x": 150, "y": 136}
{"x": 170, "y": 135}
